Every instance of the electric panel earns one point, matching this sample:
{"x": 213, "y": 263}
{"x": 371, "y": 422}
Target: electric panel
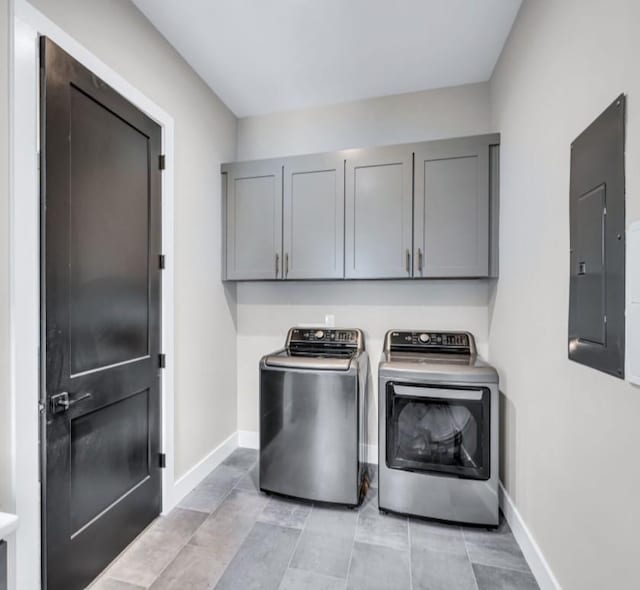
{"x": 597, "y": 233}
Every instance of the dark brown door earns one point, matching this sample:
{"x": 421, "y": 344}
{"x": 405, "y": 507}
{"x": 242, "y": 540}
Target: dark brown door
{"x": 101, "y": 325}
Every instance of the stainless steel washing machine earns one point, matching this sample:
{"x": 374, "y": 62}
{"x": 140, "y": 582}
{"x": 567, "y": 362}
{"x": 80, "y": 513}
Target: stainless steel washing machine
{"x": 438, "y": 428}
{"x": 313, "y": 416}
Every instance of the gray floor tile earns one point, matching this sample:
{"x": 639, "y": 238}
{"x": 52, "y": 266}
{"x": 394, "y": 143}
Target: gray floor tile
{"x": 146, "y": 558}
{"x": 497, "y": 548}
{"x": 224, "y": 477}
{"x": 112, "y": 584}
{"x": 374, "y": 567}
{"x": 225, "y": 530}
{"x": 285, "y": 512}
{"x": 242, "y": 458}
{"x": 262, "y": 559}
{"x": 249, "y": 481}
{"x": 337, "y": 521}
{"x": 494, "y": 578}
{"x": 379, "y": 529}
{"x": 438, "y": 570}
{"x": 204, "y": 498}
{"x": 477, "y": 533}
{"x": 252, "y": 540}
{"x": 194, "y": 568}
{"x": 180, "y": 522}
{"x": 302, "y": 580}
{"x": 326, "y": 542}
{"x": 323, "y": 553}
{"x": 436, "y": 536}
{"x": 370, "y": 500}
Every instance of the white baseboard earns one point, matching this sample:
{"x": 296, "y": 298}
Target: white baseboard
{"x": 248, "y": 439}
{"x": 530, "y": 549}
{"x": 198, "y": 472}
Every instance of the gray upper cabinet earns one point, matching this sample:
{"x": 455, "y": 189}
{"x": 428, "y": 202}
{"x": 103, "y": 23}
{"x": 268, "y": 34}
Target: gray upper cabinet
{"x": 413, "y": 211}
{"x": 452, "y": 207}
{"x": 313, "y": 231}
{"x": 378, "y": 216}
{"x": 253, "y": 210}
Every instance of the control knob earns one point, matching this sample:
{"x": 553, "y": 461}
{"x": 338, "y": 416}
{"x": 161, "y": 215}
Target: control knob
{"x": 319, "y": 334}
{"x": 424, "y": 338}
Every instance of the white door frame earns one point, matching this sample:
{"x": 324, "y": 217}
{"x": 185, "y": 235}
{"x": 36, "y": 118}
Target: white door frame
{"x": 24, "y": 300}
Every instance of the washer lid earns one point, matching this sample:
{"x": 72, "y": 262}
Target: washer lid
{"x": 309, "y": 361}
{"x": 437, "y": 367}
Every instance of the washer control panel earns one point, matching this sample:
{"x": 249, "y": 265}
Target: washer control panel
{"x": 300, "y": 337}
{"x": 430, "y": 341}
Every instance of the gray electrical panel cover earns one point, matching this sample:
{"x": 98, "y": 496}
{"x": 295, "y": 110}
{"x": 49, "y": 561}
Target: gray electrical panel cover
{"x": 597, "y": 217}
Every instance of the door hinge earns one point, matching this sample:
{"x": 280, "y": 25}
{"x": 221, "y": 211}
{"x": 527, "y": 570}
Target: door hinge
{"x": 162, "y": 261}
{"x": 162, "y": 460}
{"x": 162, "y": 162}
{"x": 162, "y": 360}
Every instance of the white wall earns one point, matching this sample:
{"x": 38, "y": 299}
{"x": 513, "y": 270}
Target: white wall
{"x": 205, "y": 132}
{"x": 417, "y": 116}
{"x": 5, "y": 398}
{"x": 267, "y": 310}
{"x": 572, "y": 433}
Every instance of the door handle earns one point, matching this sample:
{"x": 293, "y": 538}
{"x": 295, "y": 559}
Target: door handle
{"x": 408, "y": 261}
{"x": 286, "y": 265}
{"x": 420, "y": 259}
{"x": 61, "y": 402}
{"x": 277, "y": 264}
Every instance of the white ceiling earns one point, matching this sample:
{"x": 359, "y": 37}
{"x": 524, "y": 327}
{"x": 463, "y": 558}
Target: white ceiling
{"x": 263, "y": 56}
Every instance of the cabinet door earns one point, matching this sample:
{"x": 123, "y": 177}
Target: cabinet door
{"x": 254, "y": 220}
{"x": 451, "y": 208}
{"x": 313, "y": 235}
{"x": 378, "y": 216}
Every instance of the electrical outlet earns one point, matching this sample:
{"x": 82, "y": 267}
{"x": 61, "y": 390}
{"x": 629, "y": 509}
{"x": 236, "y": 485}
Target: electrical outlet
{"x": 330, "y": 320}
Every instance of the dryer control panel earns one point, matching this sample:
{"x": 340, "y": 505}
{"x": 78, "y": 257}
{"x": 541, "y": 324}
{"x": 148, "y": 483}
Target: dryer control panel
{"x": 428, "y": 341}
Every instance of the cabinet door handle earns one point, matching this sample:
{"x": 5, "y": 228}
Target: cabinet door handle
{"x": 408, "y": 261}
{"x": 420, "y": 259}
{"x": 286, "y": 264}
{"x": 277, "y": 264}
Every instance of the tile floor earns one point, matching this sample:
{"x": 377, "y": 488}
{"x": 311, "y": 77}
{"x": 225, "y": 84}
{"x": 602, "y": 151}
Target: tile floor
{"x": 228, "y": 535}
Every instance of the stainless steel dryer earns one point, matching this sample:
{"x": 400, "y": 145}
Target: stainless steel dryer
{"x": 313, "y": 416}
{"x": 438, "y": 428}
